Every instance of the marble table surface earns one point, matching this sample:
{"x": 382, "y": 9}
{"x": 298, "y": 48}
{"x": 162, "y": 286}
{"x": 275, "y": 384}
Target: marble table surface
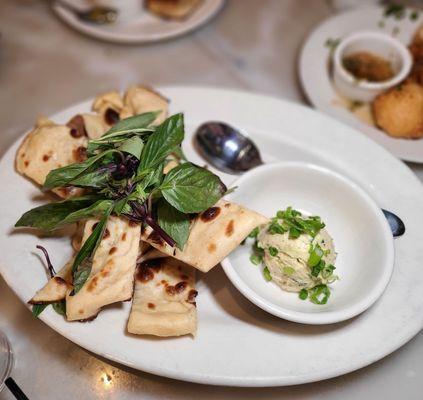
{"x": 45, "y": 66}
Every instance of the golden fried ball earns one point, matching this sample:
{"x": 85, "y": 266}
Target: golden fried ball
{"x": 417, "y": 72}
{"x": 418, "y": 36}
{"x": 399, "y": 111}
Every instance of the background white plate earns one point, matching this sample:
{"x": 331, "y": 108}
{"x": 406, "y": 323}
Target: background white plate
{"x": 315, "y": 79}
{"x": 142, "y": 27}
{"x": 238, "y": 343}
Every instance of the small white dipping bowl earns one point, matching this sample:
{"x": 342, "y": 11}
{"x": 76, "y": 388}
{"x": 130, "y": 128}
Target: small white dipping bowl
{"x": 377, "y": 43}
{"x": 362, "y": 238}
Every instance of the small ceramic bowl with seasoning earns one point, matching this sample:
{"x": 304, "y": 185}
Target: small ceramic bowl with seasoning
{"x": 368, "y": 63}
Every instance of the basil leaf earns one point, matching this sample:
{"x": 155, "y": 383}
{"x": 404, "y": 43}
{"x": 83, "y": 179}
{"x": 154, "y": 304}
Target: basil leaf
{"x": 98, "y": 208}
{"x": 97, "y": 179}
{"x": 154, "y": 178}
{"x": 37, "y": 309}
{"x": 81, "y": 275}
{"x": 60, "y": 307}
{"x": 122, "y": 207}
{"x": 174, "y": 223}
{"x": 82, "y": 264}
{"x": 133, "y": 145}
{"x": 191, "y": 189}
{"x": 64, "y": 175}
{"x": 137, "y": 123}
{"x": 49, "y": 216}
{"x": 162, "y": 142}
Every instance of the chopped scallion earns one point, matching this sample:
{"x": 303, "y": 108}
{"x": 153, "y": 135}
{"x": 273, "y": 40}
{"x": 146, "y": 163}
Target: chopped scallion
{"x": 273, "y": 251}
{"x": 316, "y": 254}
{"x": 253, "y": 234}
{"x": 303, "y": 294}
{"x": 288, "y": 270}
{"x": 319, "y": 294}
{"x": 266, "y": 274}
{"x": 256, "y": 259}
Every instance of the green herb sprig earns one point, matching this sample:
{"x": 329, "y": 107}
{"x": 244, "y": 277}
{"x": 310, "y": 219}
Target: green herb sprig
{"x": 123, "y": 175}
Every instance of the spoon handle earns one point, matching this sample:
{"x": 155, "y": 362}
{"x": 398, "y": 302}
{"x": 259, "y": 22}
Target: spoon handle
{"x": 15, "y": 389}
{"x": 395, "y": 222}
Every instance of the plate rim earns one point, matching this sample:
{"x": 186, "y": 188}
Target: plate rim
{"x": 239, "y": 381}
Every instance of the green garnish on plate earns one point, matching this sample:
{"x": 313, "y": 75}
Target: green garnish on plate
{"x": 123, "y": 175}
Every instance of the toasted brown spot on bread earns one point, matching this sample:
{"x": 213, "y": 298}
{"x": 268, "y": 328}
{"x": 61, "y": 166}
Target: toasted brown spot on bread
{"x": 124, "y": 236}
{"x": 192, "y": 294}
{"x": 89, "y": 319}
{"x": 227, "y": 205}
{"x": 230, "y": 228}
{"x": 46, "y": 157}
{"x": 105, "y": 272}
{"x": 93, "y": 283}
{"x": 106, "y": 234}
{"x": 155, "y": 263}
{"x": 210, "y": 214}
{"x": 211, "y": 248}
{"x": 170, "y": 290}
{"x": 60, "y": 281}
{"x": 146, "y": 270}
{"x": 132, "y": 224}
{"x": 77, "y": 126}
{"x": 151, "y": 305}
{"x": 111, "y": 116}
{"x": 26, "y": 163}
{"x": 155, "y": 238}
{"x": 80, "y": 154}
{"x": 113, "y": 250}
{"x": 181, "y": 286}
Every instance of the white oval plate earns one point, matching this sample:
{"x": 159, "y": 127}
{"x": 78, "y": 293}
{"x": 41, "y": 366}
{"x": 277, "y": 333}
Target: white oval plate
{"x": 313, "y": 62}
{"x": 238, "y": 344}
{"x": 142, "y": 27}
{"x": 361, "y": 235}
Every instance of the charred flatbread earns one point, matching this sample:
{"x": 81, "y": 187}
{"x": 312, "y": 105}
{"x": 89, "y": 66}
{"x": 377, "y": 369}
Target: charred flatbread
{"x": 213, "y": 235}
{"x": 164, "y": 299}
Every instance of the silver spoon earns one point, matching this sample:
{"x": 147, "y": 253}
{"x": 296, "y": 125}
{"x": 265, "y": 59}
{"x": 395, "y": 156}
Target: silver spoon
{"x": 97, "y": 14}
{"x": 230, "y": 151}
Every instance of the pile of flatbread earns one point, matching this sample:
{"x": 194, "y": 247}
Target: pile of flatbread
{"x": 130, "y": 262}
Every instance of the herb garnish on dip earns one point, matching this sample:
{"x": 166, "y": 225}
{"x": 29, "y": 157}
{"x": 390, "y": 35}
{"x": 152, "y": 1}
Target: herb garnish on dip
{"x": 298, "y": 254}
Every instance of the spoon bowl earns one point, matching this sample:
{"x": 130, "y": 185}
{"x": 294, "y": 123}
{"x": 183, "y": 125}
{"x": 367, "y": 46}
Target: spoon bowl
{"x": 226, "y": 148}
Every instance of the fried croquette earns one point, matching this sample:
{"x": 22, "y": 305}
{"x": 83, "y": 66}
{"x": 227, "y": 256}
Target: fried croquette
{"x": 399, "y": 111}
